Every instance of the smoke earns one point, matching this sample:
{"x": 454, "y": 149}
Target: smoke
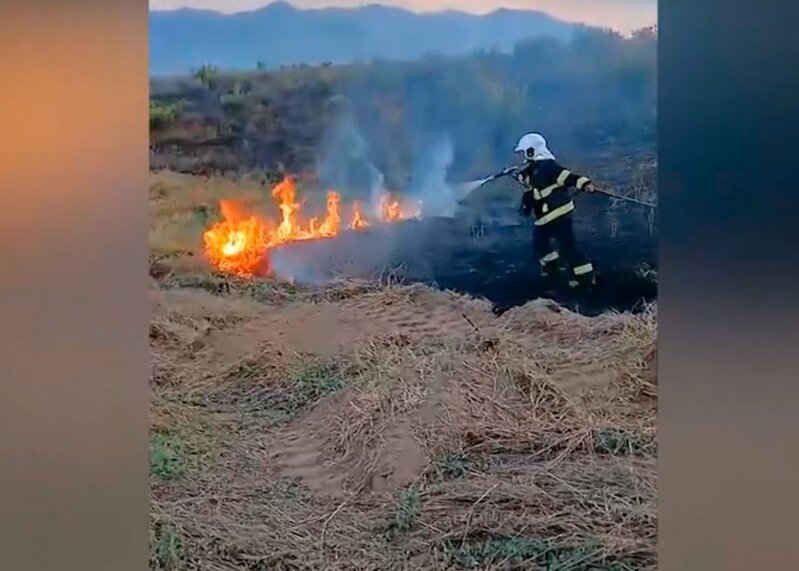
{"x": 288, "y": 266}
{"x": 364, "y": 254}
{"x": 428, "y": 182}
{"x": 343, "y": 163}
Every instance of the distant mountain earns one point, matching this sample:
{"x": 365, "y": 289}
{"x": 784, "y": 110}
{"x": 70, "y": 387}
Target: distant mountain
{"x": 280, "y": 34}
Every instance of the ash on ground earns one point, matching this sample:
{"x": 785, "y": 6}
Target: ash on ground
{"x": 488, "y": 256}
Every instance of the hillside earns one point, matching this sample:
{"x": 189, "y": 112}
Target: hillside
{"x": 280, "y": 34}
{"x": 595, "y": 99}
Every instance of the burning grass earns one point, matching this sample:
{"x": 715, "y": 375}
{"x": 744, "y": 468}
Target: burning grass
{"x": 233, "y": 225}
{"x": 232, "y": 222}
{"x": 369, "y": 427}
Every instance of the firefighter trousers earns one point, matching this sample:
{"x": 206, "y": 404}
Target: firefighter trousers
{"x": 555, "y": 247}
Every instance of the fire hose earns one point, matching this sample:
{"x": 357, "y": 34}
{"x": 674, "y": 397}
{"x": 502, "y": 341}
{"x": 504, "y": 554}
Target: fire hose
{"x": 626, "y": 198}
{"x": 510, "y": 170}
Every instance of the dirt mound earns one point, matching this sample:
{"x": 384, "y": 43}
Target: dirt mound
{"x": 296, "y": 428}
{"x": 419, "y": 310}
{"x": 391, "y": 460}
{"x": 439, "y": 365}
{"x": 388, "y": 455}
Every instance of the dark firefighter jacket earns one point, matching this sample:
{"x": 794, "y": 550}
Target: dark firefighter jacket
{"x": 548, "y": 196}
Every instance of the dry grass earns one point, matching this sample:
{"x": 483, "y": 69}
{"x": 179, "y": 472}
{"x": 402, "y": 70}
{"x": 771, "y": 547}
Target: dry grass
{"x": 463, "y": 451}
{"x": 432, "y": 436}
{"x": 181, "y": 205}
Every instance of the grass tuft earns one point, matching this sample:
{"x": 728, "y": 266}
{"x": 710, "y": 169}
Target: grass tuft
{"x": 452, "y": 466}
{"x": 167, "y": 549}
{"x": 166, "y": 459}
{"x": 409, "y": 511}
{"x": 524, "y": 551}
{"x": 617, "y": 442}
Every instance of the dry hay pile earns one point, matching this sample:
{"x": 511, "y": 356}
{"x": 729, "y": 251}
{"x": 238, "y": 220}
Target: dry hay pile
{"x": 398, "y": 428}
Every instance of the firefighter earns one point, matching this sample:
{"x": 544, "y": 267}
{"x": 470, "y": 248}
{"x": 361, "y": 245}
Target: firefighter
{"x": 549, "y": 199}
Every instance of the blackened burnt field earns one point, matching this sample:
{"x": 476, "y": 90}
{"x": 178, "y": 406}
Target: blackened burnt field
{"x": 491, "y": 256}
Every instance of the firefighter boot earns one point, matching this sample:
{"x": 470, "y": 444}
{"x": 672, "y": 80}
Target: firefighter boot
{"x": 549, "y": 280}
{"x": 549, "y": 273}
{"x": 583, "y": 278}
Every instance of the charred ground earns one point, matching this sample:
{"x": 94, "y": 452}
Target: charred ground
{"x": 493, "y": 259}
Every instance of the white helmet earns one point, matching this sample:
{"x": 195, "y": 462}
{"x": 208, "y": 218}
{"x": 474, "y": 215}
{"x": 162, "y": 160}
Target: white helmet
{"x": 533, "y": 146}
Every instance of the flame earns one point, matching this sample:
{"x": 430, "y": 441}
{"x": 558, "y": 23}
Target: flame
{"x": 392, "y": 210}
{"x": 240, "y": 244}
{"x": 284, "y": 192}
{"x": 331, "y": 224}
{"x": 358, "y": 219}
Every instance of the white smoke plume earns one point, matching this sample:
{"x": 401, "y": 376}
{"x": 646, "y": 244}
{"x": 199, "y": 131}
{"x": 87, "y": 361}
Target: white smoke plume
{"x": 429, "y": 185}
{"x": 343, "y": 163}
{"x": 291, "y": 266}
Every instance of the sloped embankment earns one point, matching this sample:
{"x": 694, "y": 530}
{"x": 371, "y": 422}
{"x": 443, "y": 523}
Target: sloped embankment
{"x": 362, "y": 427}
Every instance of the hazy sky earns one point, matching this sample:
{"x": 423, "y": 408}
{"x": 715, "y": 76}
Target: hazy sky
{"x": 622, "y": 15}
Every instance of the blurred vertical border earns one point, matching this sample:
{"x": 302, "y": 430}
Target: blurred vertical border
{"x": 73, "y": 336}
{"x": 73, "y": 250}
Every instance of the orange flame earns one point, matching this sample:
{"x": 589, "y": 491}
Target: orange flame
{"x": 392, "y": 210}
{"x": 237, "y": 244}
{"x": 240, "y": 244}
{"x": 331, "y": 224}
{"x": 358, "y": 219}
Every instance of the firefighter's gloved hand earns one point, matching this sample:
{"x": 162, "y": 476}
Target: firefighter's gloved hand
{"x": 526, "y": 207}
{"x": 589, "y": 187}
